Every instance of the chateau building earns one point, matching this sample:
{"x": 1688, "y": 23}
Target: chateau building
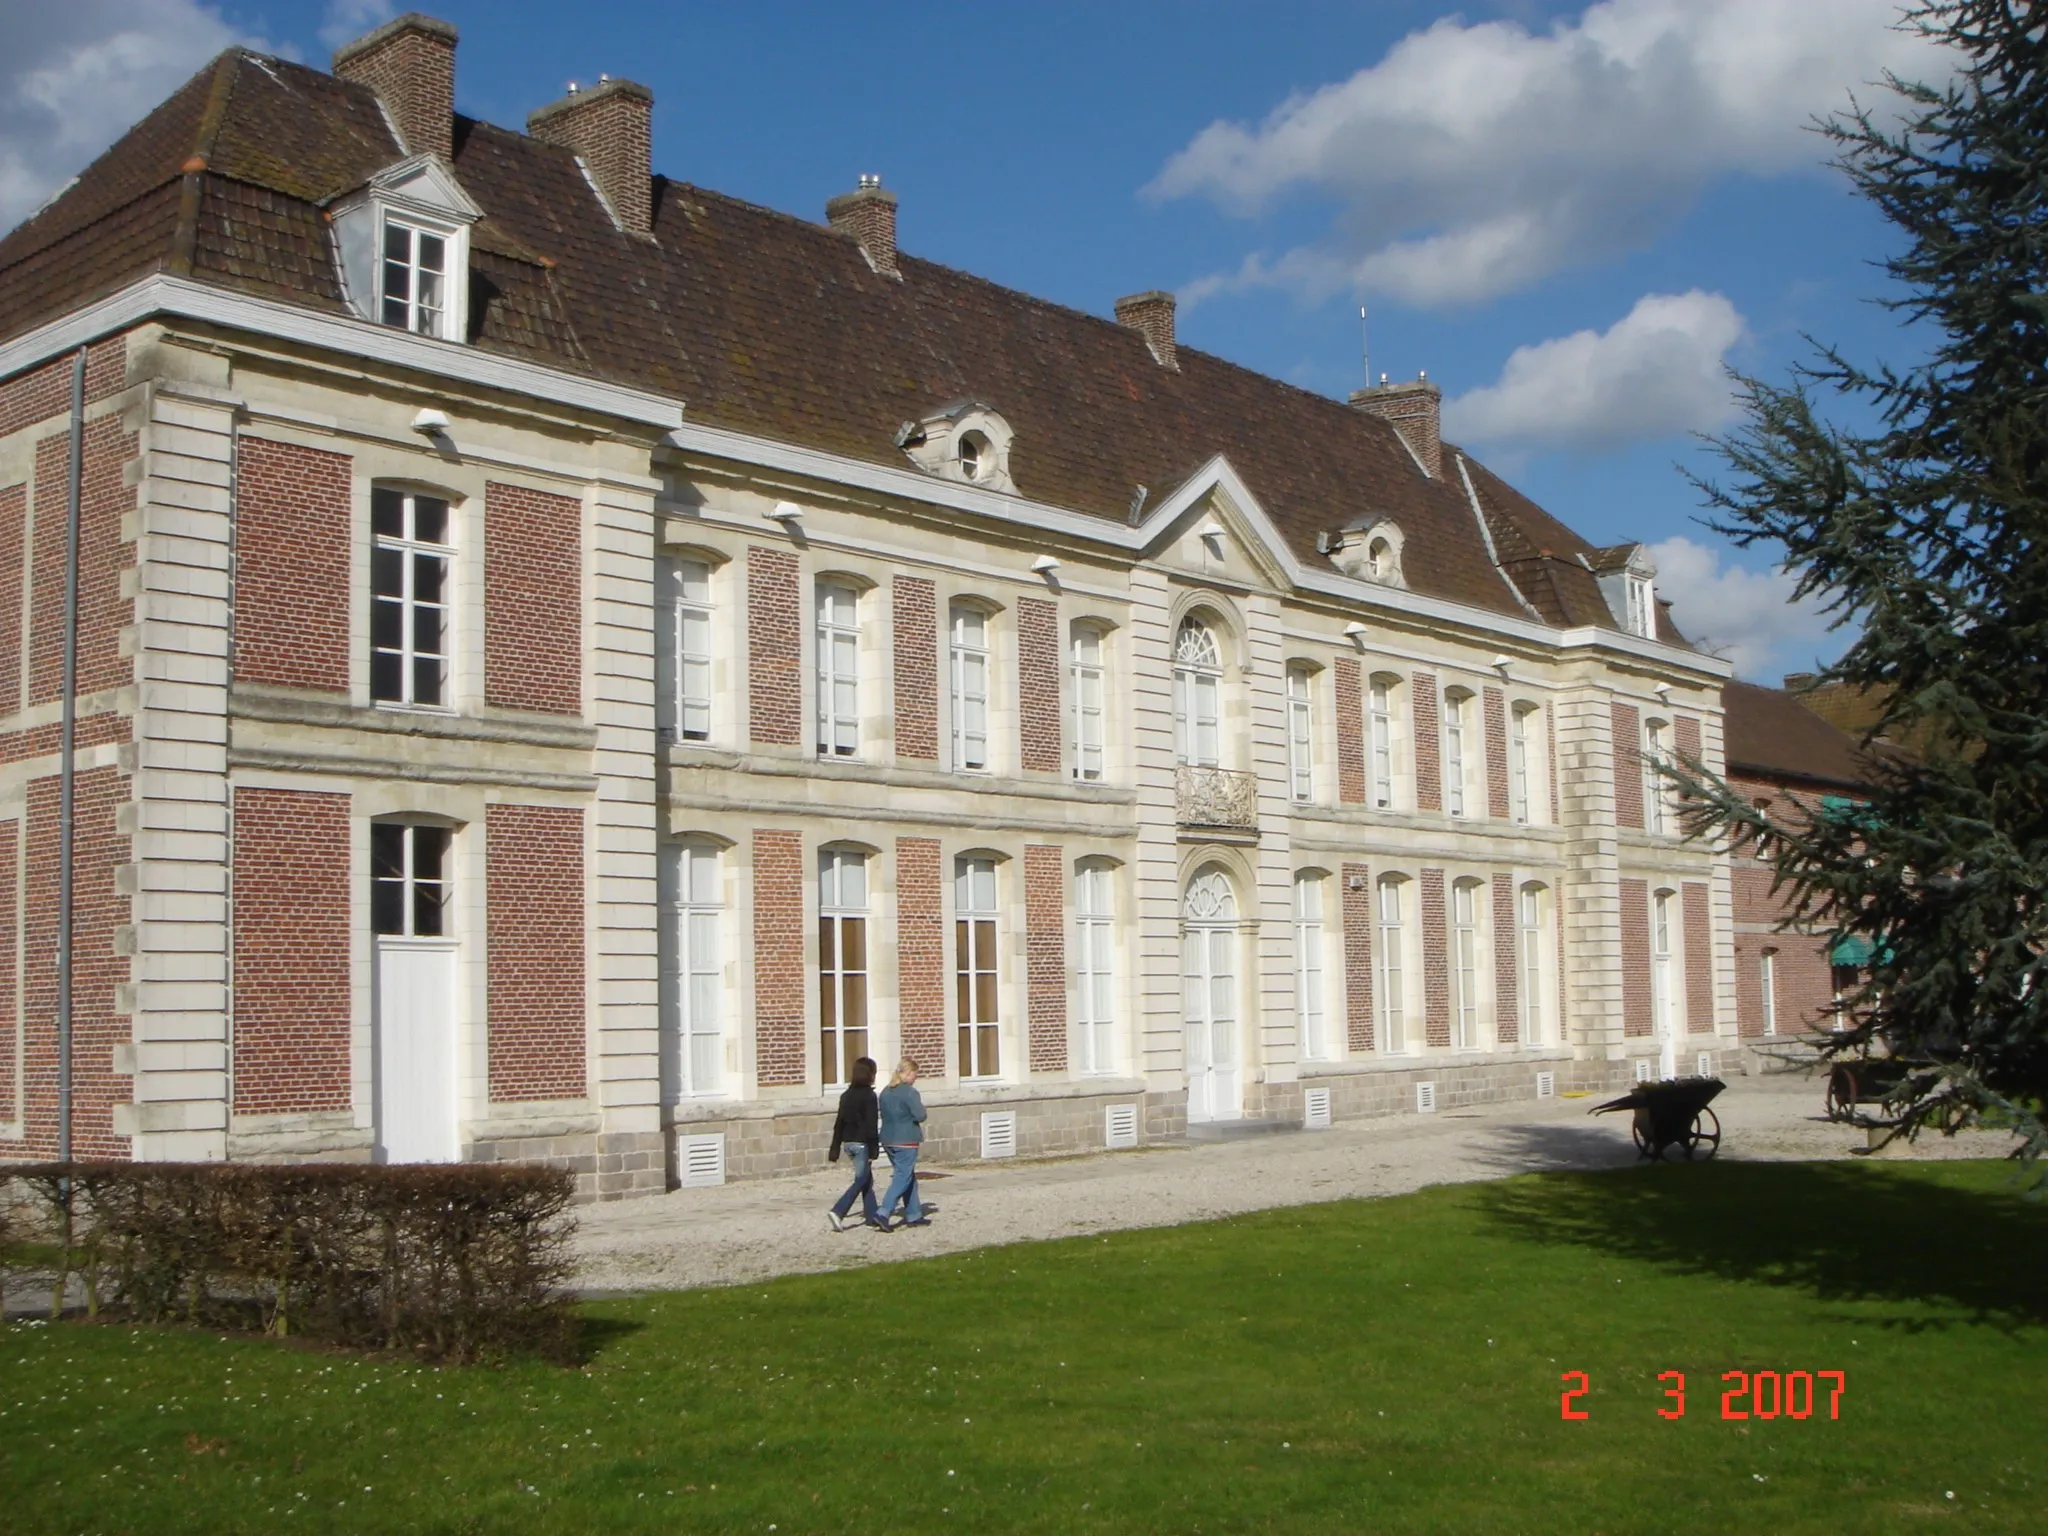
{"x": 567, "y": 660}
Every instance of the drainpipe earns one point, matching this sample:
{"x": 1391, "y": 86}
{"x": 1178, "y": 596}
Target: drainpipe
{"x": 68, "y": 760}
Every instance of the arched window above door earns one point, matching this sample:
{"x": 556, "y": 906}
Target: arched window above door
{"x": 1209, "y": 898}
{"x": 1197, "y": 694}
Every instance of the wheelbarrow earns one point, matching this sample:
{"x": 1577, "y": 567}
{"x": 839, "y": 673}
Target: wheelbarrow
{"x": 1863, "y": 1081}
{"x": 1672, "y": 1113}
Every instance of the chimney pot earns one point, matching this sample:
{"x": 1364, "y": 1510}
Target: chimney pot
{"x": 1415, "y": 410}
{"x": 1150, "y": 314}
{"x": 868, "y": 213}
{"x": 611, "y": 127}
{"x": 410, "y": 63}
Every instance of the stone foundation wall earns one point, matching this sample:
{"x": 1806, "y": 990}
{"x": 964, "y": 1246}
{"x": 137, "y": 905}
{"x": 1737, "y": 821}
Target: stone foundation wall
{"x": 607, "y": 1167}
{"x": 1391, "y": 1091}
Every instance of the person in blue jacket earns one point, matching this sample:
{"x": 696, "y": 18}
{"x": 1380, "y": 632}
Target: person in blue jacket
{"x": 902, "y": 1134}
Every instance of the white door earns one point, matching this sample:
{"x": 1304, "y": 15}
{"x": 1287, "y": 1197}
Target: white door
{"x": 415, "y": 1051}
{"x": 1663, "y": 992}
{"x": 1209, "y": 992}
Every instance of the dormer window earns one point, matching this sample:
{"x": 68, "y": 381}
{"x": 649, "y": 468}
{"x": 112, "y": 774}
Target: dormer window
{"x": 1379, "y": 559}
{"x": 403, "y": 242}
{"x": 415, "y": 288}
{"x": 974, "y": 455}
{"x": 1642, "y": 606}
{"x": 966, "y": 441}
{"x": 1368, "y": 549}
{"x": 1628, "y": 581}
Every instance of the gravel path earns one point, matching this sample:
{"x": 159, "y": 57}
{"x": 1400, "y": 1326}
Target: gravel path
{"x": 756, "y": 1230}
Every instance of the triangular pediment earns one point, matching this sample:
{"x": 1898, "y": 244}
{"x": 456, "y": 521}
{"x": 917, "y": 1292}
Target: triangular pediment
{"x": 422, "y": 184}
{"x": 1213, "y": 528}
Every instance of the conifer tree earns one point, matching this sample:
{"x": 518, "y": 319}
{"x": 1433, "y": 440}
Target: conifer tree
{"x": 1927, "y": 535}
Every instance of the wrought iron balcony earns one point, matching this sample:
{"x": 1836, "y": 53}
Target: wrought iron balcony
{"x": 1216, "y": 797}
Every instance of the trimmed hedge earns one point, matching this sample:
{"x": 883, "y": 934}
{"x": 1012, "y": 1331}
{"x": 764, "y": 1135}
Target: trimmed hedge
{"x": 455, "y": 1262}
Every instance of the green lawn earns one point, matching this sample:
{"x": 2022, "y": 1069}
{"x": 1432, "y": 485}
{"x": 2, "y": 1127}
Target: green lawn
{"x": 1388, "y": 1365}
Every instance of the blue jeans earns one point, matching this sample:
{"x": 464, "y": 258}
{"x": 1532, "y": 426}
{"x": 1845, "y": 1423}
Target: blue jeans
{"x": 863, "y": 1183}
{"x": 903, "y": 1184}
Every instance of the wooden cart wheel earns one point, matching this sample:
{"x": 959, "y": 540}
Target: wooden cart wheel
{"x": 1841, "y": 1093}
{"x": 1706, "y": 1132}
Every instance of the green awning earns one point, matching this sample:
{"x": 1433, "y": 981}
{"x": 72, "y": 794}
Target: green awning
{"x": 1854, "y": 950}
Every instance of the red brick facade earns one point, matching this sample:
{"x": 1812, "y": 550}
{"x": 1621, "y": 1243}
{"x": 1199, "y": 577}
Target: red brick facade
{"x": 1349, "y": 705}
{"x": 1635, "y": 957}
{"x": 775, "y": 650}
{"x": 1628, "y": 765}
{"x": 1699, "y": 958}
{"x": 610, "y": 126}
{"x": 779, "y": 975}
{"x": 95, "y": 730}
{"x": 1358, "y": 921}
{"x": 1685, "y": 733}
{"x": 921, "y": 953}
{"x": 293, "y": 1018}
{"x": 1429, "y": 780}
{"x": 10, "y": 951}
{"x": 1038, "y": 686}
{"x": 292, "y": 534}
{"x": 1436, "y": 963}
{"x": 98, "y": 908}
{"x": 533, "y": 600}
{"x": 45, "y": 392}
{"x": 539, "y": 1032}
{"x": 13, "y": 550}
{"x": 1496, "y": 754}
{"x": 1804, "y": 980}
{"x": 914, "y": 618}
{"x": 1045, "y": 951}
{"x": 105, "y": 498}
{"x": 1507, "y": 977}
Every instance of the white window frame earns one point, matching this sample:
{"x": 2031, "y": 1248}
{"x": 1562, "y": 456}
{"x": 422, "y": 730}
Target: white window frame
{"x": 1656, "y": 804}
{"x": 1532, "y": 911}
{"x": 411, "y": 550}
{"x": 1089, "y": 661}
{"x": 1457, "y": 754}
{"x": 1311, "y": 993}
{"x": 1465, "y": 965}
{"x": 694, "y": 903}
{"x": 838, "y": 670}
{"x": 1197, "y": 695}
{"x": 968, "y": 690}
{"x": 411, "y": 884}
{"x": 1301, "y": 734}
{"x": 1663, "y": 968}
{"x": 977, "y": 954}
{"x": 1390, "y": 904}
{"x": 1095, "y": 969}
{"x": 1642, "y": 605}
{"x": 1521, "y": 802}
{"x": 688, "y": 649}
{"x": 1767, "y": 977}
{"x": 442, "y": 321}
{"x": 1381, "y": 704}
{"x": 843, "y": 895}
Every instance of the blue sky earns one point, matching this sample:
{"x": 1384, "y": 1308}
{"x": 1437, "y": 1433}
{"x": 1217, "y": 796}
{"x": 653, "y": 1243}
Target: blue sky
{"x": 1572, "y": 216}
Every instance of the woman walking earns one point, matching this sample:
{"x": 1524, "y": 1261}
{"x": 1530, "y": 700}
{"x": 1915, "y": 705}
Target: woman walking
{"x": 857, "y": 1130}
{"x": 903, "y": 1133}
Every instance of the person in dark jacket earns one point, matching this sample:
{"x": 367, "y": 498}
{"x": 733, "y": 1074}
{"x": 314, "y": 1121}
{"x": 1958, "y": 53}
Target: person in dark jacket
{"x": 903, "y": 1133}
{"x": 858, "y": 1130}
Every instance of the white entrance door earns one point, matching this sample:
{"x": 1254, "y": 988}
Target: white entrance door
{"x": 1663, "y": 998}
{"x": 1209, "y": 990}
{"x": 415, "y": 1051}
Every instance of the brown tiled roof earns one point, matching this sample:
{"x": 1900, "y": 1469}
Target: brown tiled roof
{"x": 767, "y": 324}
{"x": 1771, "y": 735}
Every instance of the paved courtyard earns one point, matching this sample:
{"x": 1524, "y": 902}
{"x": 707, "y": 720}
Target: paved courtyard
{"x": 755, "y": 1230}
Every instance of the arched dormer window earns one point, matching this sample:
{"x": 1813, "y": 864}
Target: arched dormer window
{"x": 1197, "y": 695}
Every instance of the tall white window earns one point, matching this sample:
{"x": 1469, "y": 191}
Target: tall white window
{"x": 1197, "y": 695}
{"x": 684, "y": 656}
{"x": 1656, "y": 810}
{"x": 969, "y": 673}
{"x": 1095, "y": 967}
{"x": 410, "y": 565}
{"x": 1642, "y": 607}
{"x": 409, "y": 879}
{"x": 1379, "y": 726}
{"x": 838, "y": 670}
{"x": 1393, "y": 943}
{"x": 1532, "y": 952}
{"x": 1457, "y": 750}
{"x": 842, "y": 962}
{"x": 1090, "y": 734}
{"x": 1465, "y": 965}
{"x": 1309, "y": 998}
{"x": 1521, "y": 750}
{"x": 1663, "y": 985}
{"x": 975, "y": 981}
{"x": 693, "y": 966}
{"x": 416, "y": 279}
{"x": 1769, "y": 979}
{"x": 1301, "y": 735}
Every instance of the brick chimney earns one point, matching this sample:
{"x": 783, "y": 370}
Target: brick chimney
{"x": 1151, "y": 316}
{"x": 1415, "y": 410}
{"x": 868, "y": 213}
{"x": 410, "y": 64}
{"x": 611, "y": 127}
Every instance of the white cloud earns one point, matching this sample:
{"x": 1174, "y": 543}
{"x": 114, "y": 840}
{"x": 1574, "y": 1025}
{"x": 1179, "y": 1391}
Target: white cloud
{"x": 75, "y": 76}
{"x": 348, "y": 20}
{"x": 1748, "y": 616}
{"x": 1474, "y": 160}
{"x": 1656, "y": 371}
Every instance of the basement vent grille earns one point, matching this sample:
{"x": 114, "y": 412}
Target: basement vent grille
{"x": 1315, "y": 1109}
{"x": 999, "y": 1134}
{"x": 1546, "y": 1085}
{"x": 1120, "y": 1125}
{"x": 1706, "y": 1063}
{"x": 702, "y": 1160}
{"x": 1643, "y": 1069}
{"x": 1425, "y": 1098}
